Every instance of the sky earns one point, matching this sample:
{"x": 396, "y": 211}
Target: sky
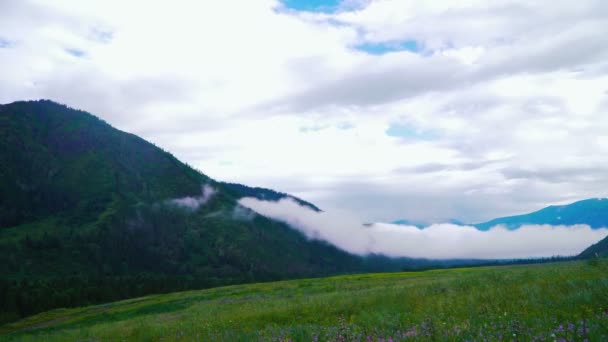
{"x": 423, "y": 110}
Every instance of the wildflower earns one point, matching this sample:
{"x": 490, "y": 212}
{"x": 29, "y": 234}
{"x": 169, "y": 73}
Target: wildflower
{"x": 411, "y": 332}
{"x": 571, "y": 327}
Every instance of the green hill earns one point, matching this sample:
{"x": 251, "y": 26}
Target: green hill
{"x": 548, "y": 302}
{"x": 89, "y": 214}
{"x": 599, "y": 249}
{"x": 241, "y": 190}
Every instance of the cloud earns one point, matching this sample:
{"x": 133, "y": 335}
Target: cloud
{"x": 378, "y": 81}
{"x": 193, "y": 203}
{"x": 559, "y": 175}
{"x": 441, "y": 241}
{"x": 513, "y": 95}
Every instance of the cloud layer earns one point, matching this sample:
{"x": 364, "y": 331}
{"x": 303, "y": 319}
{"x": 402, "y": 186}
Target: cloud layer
{"x": 502, "y": 105}
{"x": 441, "y": 241}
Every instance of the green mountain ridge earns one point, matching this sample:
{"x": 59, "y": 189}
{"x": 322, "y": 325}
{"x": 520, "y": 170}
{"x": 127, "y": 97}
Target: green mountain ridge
{"x": 263, "y": 194}
{"x": 86, "y": 217}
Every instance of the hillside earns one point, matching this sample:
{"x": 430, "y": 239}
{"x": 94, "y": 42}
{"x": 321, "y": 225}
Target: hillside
{"x": 598, "y": 249}
{"x": 89, "y": 214}
{"x": 548, "y": 302}
{"x": 240, "y": 190}
{"x": 592, "y": 212}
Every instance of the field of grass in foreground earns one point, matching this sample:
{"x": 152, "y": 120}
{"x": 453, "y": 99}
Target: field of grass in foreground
{"x": 544, "y": 302}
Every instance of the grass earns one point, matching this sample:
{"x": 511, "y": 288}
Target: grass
{"x": 545, "y": 302}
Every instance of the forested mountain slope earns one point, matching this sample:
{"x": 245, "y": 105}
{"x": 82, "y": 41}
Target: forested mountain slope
{"x": 89, "y": 213}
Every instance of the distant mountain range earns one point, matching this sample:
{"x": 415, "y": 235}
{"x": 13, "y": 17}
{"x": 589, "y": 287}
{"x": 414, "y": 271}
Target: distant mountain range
{"x": 421, "y": 224}
{"x": 592, "y": 212}
{"x": 406, "y": 222}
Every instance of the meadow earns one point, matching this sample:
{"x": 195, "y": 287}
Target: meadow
{"x": 565, "y": 301}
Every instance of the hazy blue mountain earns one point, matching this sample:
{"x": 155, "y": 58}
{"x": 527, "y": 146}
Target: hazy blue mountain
{"x": 406, "y": 222}
{"x": 456, "y": 222}
{"x": 420, "y": 224}
{"x": 592, "y": 212}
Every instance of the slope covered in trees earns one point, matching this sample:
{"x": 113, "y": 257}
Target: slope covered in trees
{"x": 88, "y": 214}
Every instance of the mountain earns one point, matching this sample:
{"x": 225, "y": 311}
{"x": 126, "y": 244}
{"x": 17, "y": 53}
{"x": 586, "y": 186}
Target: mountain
{"x": 91, "y": 214}
{"x": 240, "y": 190}
{"x": 456, "y": 222}
{"x": 406, "y": 222}
{"x": 592, "y": 212}
{"x": 420, "y": 224}
{"x": 599, "y": 249}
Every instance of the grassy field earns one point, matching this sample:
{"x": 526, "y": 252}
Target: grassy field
{"x": 545, "y": 302}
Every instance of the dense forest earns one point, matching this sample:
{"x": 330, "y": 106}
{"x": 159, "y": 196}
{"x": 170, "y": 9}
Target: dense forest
{"x": 87, "y": 214}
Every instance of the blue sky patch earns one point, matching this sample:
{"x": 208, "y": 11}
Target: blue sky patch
{"x": 4, "y": 43}
{"x": 386, "y": 47}
{"x": 75, "y": 52}
{"x": 409, "y": 132}
{"x": 325, "y": 6}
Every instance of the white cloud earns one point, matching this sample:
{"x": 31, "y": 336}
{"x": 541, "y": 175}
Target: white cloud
{"x": 228, "y": 86}
{"x": 440, "y": 241}
{"x": 195, "y": 202}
